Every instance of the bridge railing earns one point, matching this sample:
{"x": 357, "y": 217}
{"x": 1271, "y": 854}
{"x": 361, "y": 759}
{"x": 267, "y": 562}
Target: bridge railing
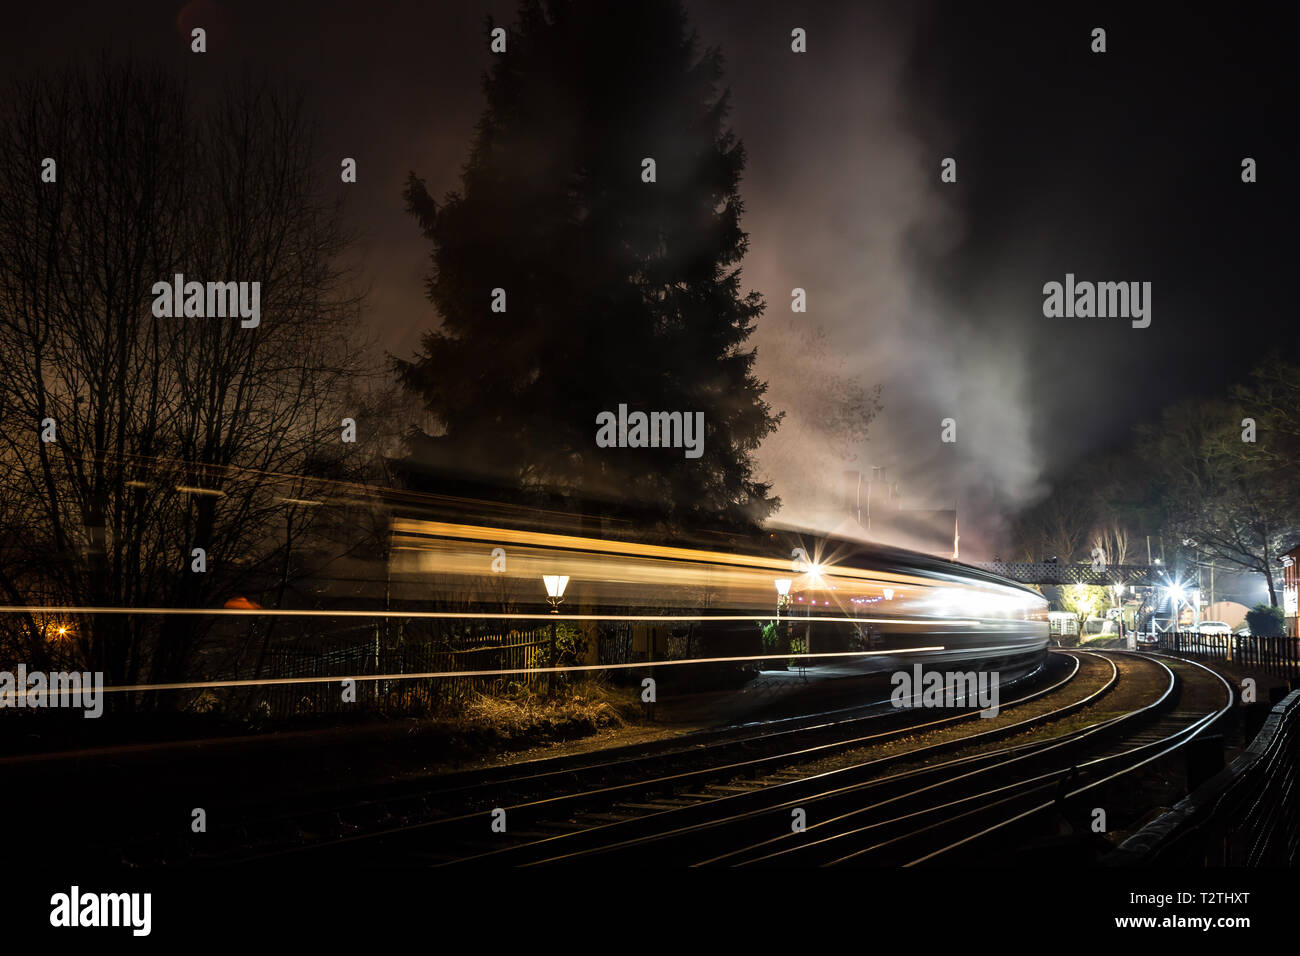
{"x": 1048, "y": 572}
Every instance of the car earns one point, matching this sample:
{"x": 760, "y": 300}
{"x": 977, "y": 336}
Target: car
{"x": 1214, "y": 632}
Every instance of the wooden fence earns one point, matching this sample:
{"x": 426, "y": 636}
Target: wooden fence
{"x": 1279, "y": 656}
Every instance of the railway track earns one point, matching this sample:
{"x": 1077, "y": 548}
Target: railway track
{"x": 922, "y": 803}
{"x": 963, "y": 810}
{"x": 367, "y": 814}
{"x": 720, "y": 773}
{"x": 870, "y": 785}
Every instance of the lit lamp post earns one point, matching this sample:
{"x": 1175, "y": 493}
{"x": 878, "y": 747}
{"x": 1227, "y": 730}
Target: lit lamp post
{"x": 555, "y": 585}
{"x": 1119, "y": 618}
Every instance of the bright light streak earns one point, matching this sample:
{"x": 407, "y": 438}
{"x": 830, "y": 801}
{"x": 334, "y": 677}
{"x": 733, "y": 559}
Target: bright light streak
{"x": 430, "y": 532}
{"x": 260, "y": 682}
{"x": 461, "y": 615}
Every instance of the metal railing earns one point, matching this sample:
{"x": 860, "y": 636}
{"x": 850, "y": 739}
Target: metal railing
{"x": 513, "y": 651}
{"x": 1247, "y": 815}
{"x": 1052, "y": 572}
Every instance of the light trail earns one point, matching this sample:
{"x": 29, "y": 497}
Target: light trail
{"x": 260, "y": 682}
{"x": 484, "y": 616}
{"x": 267, "y": 681}
{"x": 440, "y": 531}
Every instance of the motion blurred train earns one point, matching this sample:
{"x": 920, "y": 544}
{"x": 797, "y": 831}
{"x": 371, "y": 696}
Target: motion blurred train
{"x": 846, "y": 601}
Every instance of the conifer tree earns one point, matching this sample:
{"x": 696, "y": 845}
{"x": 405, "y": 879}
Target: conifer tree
{"x": 616, "y": 289}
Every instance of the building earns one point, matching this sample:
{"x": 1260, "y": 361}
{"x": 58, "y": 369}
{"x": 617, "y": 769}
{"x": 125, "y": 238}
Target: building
{"x": 1291, "y": 591}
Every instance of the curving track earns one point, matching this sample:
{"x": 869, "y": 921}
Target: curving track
{"x": 907, "y": 788}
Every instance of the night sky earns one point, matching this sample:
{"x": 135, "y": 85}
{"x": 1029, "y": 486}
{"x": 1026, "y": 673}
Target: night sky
{"x": 1123, "y": 166}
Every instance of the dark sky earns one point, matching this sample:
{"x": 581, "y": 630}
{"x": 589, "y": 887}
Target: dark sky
{"x": 1121, "y": 166}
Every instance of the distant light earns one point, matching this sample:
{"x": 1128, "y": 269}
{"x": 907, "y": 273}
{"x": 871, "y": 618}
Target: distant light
{"x": 889, "y": 594}
{"x": 555, "y": 584}
{"x": 212, "y": 492}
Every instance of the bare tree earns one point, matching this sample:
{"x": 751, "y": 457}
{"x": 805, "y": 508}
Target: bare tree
{"x": 1227, "y": 495}
{"x": 160, "y": 432}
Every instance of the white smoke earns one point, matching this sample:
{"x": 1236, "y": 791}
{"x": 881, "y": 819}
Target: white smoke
{"x": 844, "y": 200}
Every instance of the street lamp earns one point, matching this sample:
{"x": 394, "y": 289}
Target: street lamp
{"x": 555, "y": 585}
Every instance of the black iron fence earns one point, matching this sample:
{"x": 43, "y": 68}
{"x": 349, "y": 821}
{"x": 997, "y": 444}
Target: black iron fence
{"x": 368, "y": 660}
{"x": 1279, "y": 656}
{"x": 415, "y": 651}
{"x": 1247, "y": 815}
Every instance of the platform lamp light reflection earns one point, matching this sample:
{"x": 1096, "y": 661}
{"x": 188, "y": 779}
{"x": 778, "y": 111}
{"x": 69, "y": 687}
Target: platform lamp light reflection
{"x": 555, "y": 585}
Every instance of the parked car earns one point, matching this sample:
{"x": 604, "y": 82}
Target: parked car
{"x": 1217, "y": 631}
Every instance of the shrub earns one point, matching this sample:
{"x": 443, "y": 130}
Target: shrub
{"x": 798, "y": 646}
{"x": 1266, "y": 621}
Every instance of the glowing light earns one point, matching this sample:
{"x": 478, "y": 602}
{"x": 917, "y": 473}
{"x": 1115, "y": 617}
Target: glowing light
{"x": 555, "y": 585}
{"x": 210, "y": 492}
{"x": 783, "y": 586}
{"x": 458, "y": 615}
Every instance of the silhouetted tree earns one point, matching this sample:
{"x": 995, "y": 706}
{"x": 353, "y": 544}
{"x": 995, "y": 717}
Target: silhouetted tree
{"x": 169, "y": 433}
{"x": 617, "y": 290}
{"x": 1228, "y": 499}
